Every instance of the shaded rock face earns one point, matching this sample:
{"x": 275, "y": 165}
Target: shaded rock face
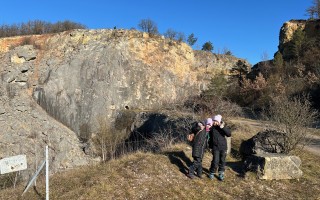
{"x": 151, "y": 125}
{"x": 147, "y": 130}
{"x": 55, "y": 87}
{"x": 269, "y": 141}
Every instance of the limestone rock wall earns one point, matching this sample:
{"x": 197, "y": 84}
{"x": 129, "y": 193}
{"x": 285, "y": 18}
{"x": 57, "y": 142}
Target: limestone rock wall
{"x": 55, "y": 87}
{"x": 310, "y": 27}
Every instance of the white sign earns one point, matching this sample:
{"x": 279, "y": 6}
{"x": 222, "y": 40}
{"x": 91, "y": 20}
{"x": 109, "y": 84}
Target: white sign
{"x": 12, "y": 164}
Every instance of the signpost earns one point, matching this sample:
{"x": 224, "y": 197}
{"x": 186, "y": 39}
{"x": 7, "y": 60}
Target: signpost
{"x": 17, "y": 163}
{"x": 12, "y": 164}
{"x": 45, "y": 163}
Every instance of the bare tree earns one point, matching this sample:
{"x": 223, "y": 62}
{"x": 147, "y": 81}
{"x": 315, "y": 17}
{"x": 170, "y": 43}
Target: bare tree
{"x": 106, "y": 140}
{"x": 170, "y": 33}
{"x": 162, "y": 140}
{"x": 292, "y": 117}
{"x": 38, "y": 27}
{"x": 314, "y": 10}
{"x": 264, "y": 56}
{"x": 226, "y": 51}
{"x": 181, "y": 37}
{"x": 149, "y": 26}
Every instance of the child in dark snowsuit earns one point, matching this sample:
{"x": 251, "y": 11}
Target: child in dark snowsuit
{"x": 218, "y": 143}
{"x": 198, "y": 137}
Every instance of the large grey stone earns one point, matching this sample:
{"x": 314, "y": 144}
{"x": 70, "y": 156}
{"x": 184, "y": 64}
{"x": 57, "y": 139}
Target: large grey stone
{"x": 274, "y": 166}
{"x": 267, "y": 141}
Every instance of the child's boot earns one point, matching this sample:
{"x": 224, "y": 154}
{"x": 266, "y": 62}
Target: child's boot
{"x": 199, "y": 172}
{"x": 191, "y": 172}
{"x": 221, "y": 176}
{"x": 211, "y": 175}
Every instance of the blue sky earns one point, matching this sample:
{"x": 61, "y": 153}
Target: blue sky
{"x": 249, "y": 28}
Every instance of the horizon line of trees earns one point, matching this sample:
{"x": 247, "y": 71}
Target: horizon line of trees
{"x": 38, "y": 27}
{"x": 150, "y": 27}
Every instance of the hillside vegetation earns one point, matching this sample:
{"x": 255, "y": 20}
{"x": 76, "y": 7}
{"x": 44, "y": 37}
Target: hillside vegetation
{"x": 144, "y": 175}
{"x": 42, "y": 78}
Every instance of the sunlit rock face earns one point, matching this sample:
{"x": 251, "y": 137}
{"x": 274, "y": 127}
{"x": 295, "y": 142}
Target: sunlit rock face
{"x": 310, "y": 27}
{"x": 55, "y": 87}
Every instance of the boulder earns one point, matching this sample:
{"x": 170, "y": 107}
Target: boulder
{"x": 264, "y": 154}
{"x": 268, "y": 141}
{"x": 274, "y": 166}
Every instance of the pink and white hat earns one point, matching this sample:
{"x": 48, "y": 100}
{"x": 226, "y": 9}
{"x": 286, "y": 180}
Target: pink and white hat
{"x": 217, "y": 118}
{"x": 209, "y": 122}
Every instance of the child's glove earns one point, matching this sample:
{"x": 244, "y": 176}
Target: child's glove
{"x": 222, "y": 124}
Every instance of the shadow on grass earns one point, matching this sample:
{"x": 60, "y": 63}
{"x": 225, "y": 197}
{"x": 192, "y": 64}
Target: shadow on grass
{"x": 236, "y": 166}
{"x": 180, "y": 159}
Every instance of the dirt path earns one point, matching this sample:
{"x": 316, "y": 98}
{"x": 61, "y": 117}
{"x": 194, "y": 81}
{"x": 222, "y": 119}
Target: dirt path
{"x": 313, "y": 146}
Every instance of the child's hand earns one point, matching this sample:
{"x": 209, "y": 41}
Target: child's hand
{"x": 190, "y": 137}
{"x": 222, "y": 124}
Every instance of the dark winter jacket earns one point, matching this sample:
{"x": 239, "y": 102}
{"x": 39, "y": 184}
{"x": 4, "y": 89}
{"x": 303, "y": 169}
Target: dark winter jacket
{"x": 217, "y": 140}
{"x": 199, "y": 143}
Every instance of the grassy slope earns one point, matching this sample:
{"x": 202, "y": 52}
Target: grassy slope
{"x": 162, "y": 176}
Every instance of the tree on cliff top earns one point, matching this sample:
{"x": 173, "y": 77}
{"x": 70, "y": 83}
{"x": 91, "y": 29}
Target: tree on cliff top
{"x": 314, "y": 10}
{"x": 191, "y": 39}
{"x": 207, "y": 46}
{"x": 174, "y": 35}
{"x": 149, "y": 26}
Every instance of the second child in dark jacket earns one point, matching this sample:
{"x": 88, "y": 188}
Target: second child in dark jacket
{"x": 218, "y": 144}
{"x": 199, "y": 141}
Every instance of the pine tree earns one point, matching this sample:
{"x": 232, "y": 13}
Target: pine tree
{"x": 207, "y": 46}
{"x": 191, "y": 39}
{"x": 278, "y": 60}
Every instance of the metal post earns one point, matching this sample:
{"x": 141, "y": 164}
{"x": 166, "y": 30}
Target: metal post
{"x": 47, "y": 174}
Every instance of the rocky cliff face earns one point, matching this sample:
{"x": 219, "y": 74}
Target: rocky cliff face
{"x": 310, "y": 27}
{"x": 55, "y": 87}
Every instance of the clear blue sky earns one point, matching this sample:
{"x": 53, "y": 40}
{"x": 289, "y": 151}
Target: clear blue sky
{"x": 249, "y": 28}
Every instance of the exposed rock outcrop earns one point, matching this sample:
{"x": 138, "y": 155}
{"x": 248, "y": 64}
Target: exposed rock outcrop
{"x": 77, "y": 76}
{"x": 310, "y": 27}
{"x": 26, "y": 129}
{"x": 82, "y": 74}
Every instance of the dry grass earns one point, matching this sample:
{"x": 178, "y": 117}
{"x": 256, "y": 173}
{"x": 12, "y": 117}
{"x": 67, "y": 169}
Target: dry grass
{"x": 162, "y": 176}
